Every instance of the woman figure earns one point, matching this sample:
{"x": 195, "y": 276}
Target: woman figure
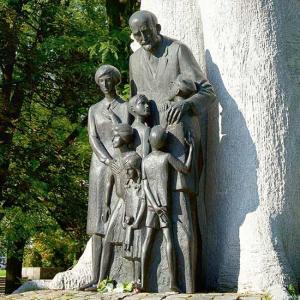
{"x": 100, "y": 130}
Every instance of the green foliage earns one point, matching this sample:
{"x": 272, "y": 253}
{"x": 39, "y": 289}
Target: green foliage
{"x": 106, "y": 285}
{"x": 55, "y": 47}
{"x": 109, "y": 285}
{"x": 2, "y": 273}
{"x": 267, "y": 297}
{"x": 292, "y": 291}
{"x": 53, "y": 249}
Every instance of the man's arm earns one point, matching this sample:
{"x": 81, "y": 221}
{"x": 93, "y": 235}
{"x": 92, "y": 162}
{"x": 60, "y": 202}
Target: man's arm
{"x": 203, "y": 98}
{"x": 189, "y": 68}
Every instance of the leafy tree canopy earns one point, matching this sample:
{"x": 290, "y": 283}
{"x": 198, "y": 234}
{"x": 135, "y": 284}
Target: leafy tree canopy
{"x": 49, "y": 52}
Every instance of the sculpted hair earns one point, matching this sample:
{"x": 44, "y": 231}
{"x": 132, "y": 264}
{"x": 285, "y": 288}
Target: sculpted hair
{"x": 110, "y": 71}
{"x": 158, "y": 137}
{"x": 132, "y": 160}
{"x": 133, "y": 101}
{"x": 186, "y": 87}
{"x": 125, "y": 131}
{"x": 143, "y": 14}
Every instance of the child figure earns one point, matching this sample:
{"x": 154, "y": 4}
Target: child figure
{"x": 135, "y": 205}
{"x": 156, "y": 174}
{"x": 139, "y": 107}
{"x": 180, "y": 89}
{"x": 126, "y": 176}
{"x": 178, "y": 127}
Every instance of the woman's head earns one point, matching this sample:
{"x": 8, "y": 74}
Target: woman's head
{"x": 107, "y": 78}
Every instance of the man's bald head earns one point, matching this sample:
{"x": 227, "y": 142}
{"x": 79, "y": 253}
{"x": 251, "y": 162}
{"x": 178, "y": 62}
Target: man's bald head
{"x": 145, "y": 29}
{"x": 142, "y": 17}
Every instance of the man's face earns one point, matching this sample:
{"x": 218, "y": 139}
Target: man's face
{"x": 142, "y": 107}
{"x": 145, "y": 33}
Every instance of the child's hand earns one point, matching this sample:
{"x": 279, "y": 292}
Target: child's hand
{"x": 105, "y": 213}
{"x": 161, "y": 211}
{"x": 135, "y": 225}
{"x": 189, "y": 139}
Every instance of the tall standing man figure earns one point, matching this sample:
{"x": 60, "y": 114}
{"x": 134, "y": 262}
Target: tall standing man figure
{"x": 153, "y": 68}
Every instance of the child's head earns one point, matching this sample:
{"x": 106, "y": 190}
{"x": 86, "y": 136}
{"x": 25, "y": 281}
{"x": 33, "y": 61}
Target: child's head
{"x": 107, "y": 77}
{"x": 132, "y": 165}
{"x": 183, "y": 87}
{"x": 122, "y": 135}
{"x": 158, "y": 137}
{"x": 139, "y": 106}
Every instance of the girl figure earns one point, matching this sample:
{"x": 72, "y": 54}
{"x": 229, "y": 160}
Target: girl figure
{"x": 100, "y": 131}
{"x": 128, "y": 212}
{"x": 138, "y": 106}
{"x": 135, "y": 205}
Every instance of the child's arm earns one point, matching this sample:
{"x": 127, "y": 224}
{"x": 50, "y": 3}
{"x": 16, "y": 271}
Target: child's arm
{"x": 149, "y": 195}
{"x": 189, "y": 141}
{"x": 145, "y": 143}
{"x": 108, "y": 196}
{"x": 178, "y": 165}
{"x": 140, "y": 214}
{"x": 160, "y": 210}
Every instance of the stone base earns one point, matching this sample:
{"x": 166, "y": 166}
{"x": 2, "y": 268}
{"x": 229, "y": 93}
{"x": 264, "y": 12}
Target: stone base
{"x": 79, "y": 275}
{"x": 64, "y": 295}
{"x": 36, "y": 273}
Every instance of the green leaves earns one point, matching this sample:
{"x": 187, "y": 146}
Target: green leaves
{"x": 106, "y": 285}
{"x": 53, "y": 49}
{"x": 109, "y": 285}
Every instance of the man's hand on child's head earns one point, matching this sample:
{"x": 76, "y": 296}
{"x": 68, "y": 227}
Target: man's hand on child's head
{"x": 176, "y": 111}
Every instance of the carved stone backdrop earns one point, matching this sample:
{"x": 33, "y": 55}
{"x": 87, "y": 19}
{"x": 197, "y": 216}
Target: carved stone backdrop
{"x": 252, "y": 237}
{"x": 249, "y": 202}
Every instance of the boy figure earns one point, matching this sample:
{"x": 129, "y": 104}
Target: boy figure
{"x": 155, "y": 170}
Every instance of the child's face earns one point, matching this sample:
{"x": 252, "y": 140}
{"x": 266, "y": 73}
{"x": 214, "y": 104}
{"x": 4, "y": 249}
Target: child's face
{"x": 106, "y": 84}
{"x": 142, "y": 107}
{"x": 131, "y": 173}
{"x": 117, "y": 140}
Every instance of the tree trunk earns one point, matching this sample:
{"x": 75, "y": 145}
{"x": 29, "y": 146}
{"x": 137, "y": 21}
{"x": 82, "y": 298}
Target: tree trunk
{"x": 251, "y": 236}
{"x": 11, "y": 95}
{"x": 14, "y": 266}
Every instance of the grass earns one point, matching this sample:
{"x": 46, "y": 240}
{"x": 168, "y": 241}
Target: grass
{"x": 2, "y": 273}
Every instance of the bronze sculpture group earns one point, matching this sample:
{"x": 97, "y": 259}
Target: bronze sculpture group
{"x": 147, "y": 158}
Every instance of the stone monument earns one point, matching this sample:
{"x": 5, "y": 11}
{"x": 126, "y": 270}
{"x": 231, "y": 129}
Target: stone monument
{"x": 146, "y": 167}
